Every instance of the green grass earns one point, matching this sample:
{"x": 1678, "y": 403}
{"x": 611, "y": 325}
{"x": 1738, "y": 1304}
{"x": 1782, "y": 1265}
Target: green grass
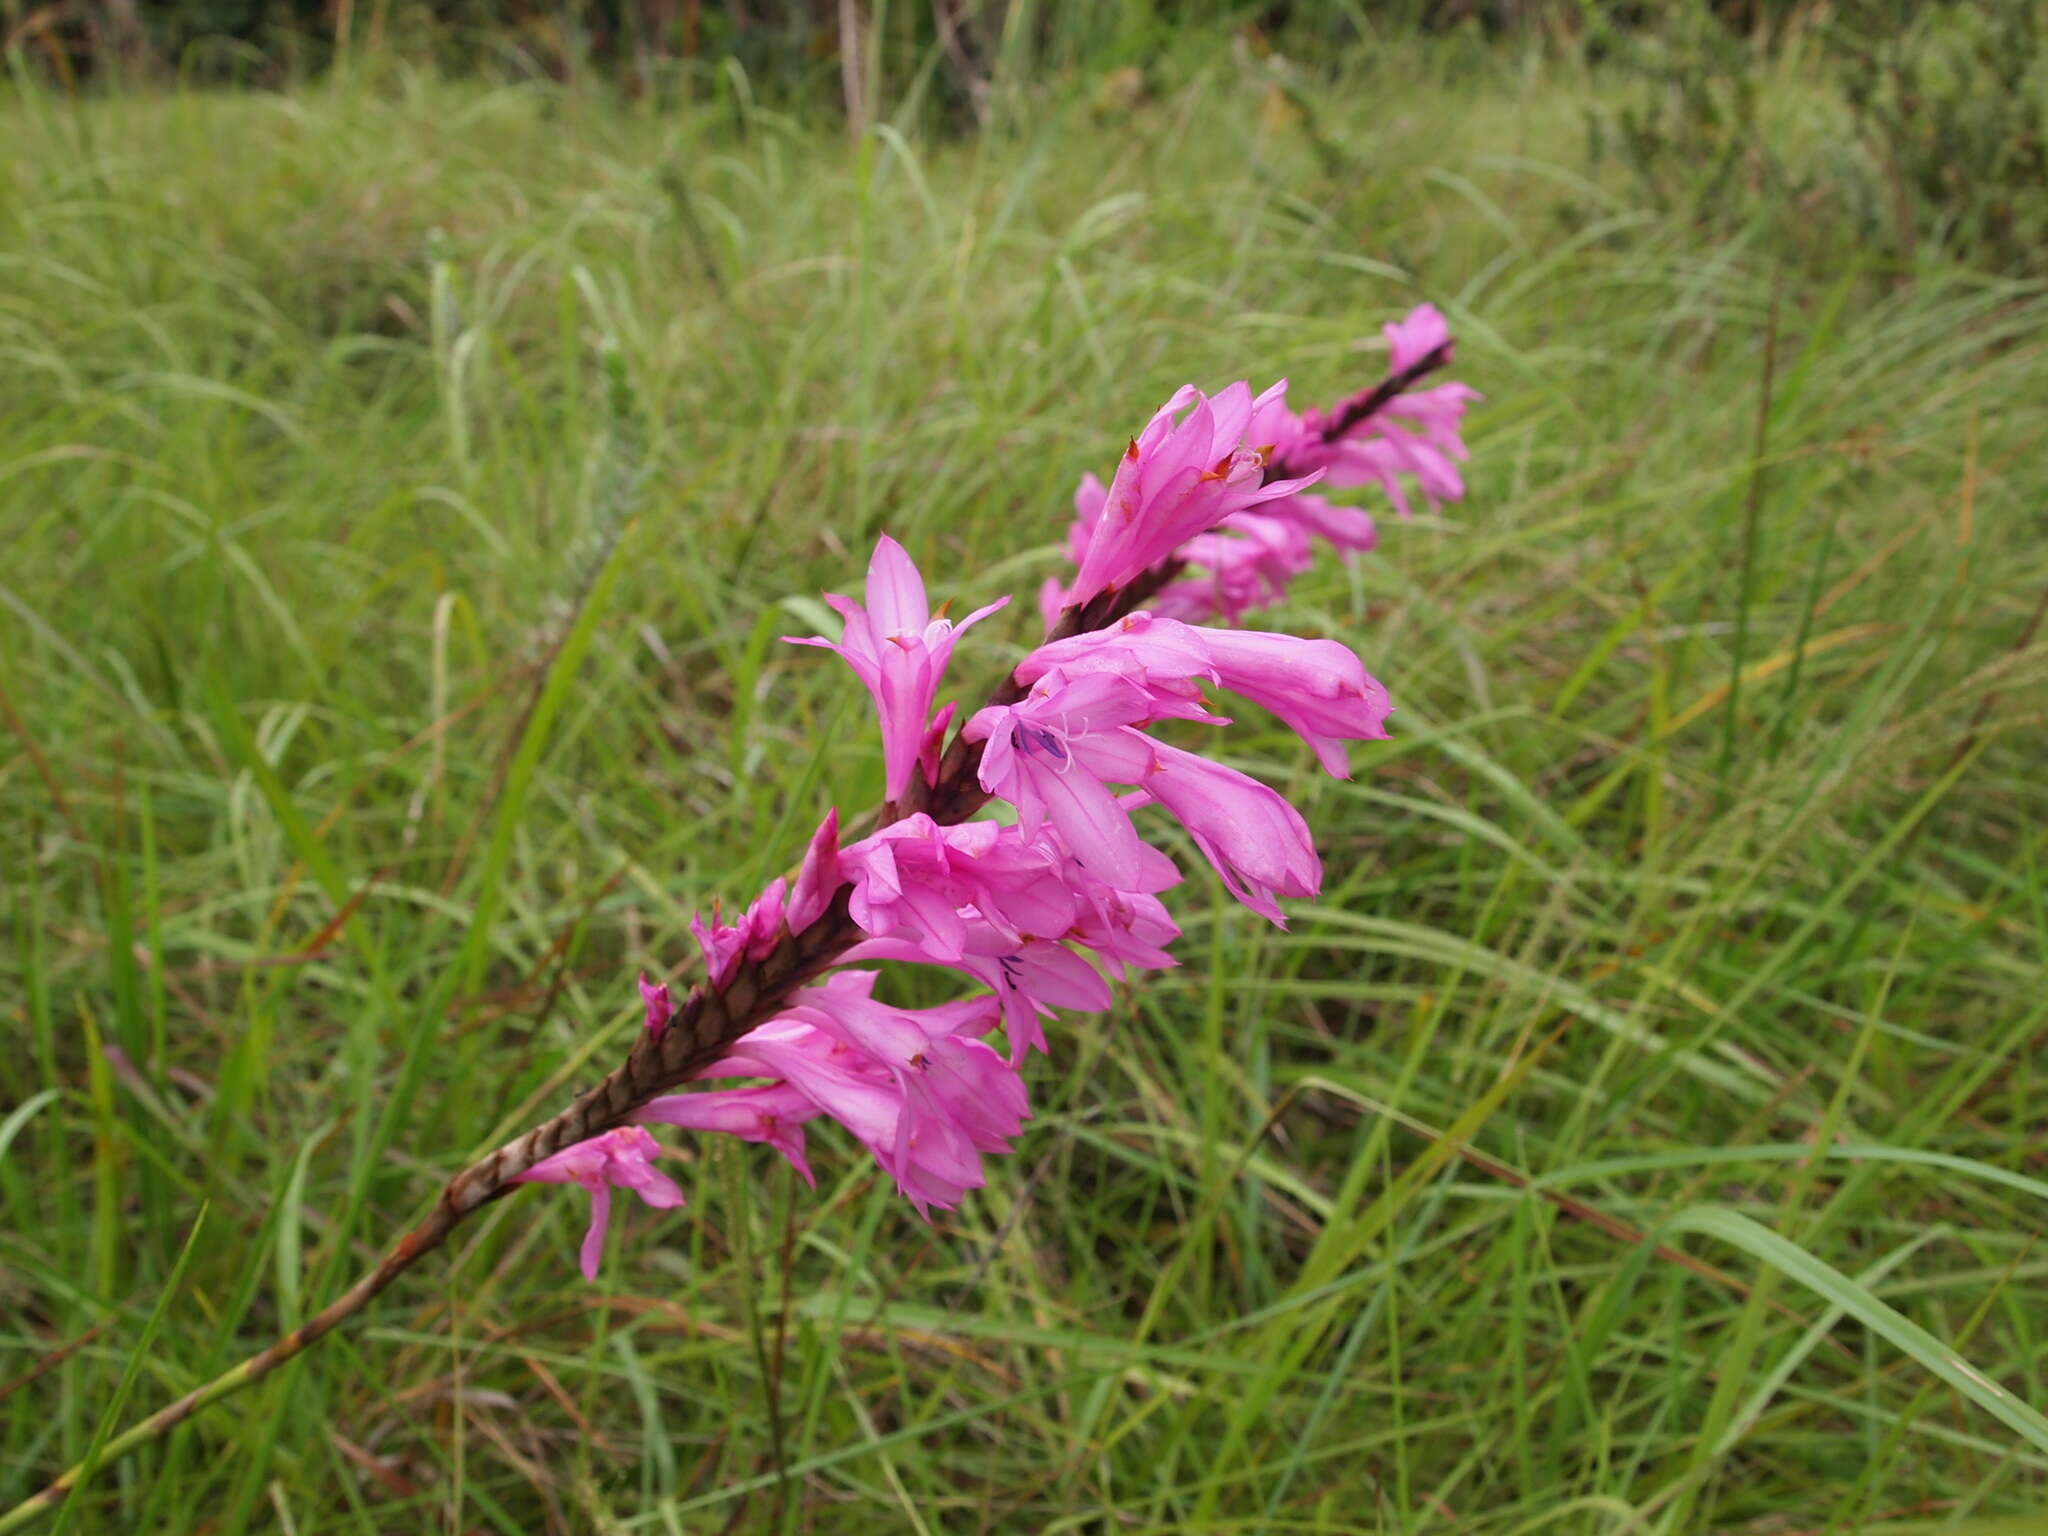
{"x": 403, "y": 485}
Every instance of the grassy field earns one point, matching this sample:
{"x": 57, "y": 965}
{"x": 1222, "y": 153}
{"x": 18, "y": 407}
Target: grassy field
{"x": 403, "y": 485}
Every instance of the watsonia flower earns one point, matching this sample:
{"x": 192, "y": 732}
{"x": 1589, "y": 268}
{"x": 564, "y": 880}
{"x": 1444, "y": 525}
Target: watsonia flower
{"x": 899, "y": 651}
{"x": 621, "y": 1159}
{"x": 1033, "y": 908}
{"x": 1191, "y": 468}
{"x": 1036, "y": 906}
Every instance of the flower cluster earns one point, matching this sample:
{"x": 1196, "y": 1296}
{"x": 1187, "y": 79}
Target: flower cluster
{"x": 1248, "y": 545}
{"x": 1038, "y": 907}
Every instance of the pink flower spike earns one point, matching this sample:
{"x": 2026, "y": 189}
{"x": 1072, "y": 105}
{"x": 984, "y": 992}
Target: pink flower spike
{"x": 774, "y": 1114}
{"x": 621, "y": 1158}
{"x": 1179, "y": 478}
{"x": 899, "y": 651}
{"x": 659, "y": 1008}
{"x": 1416, "y": 433}
{"x": 1257, "y": 841}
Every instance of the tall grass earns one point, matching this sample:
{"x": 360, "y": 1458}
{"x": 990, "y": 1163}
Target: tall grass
{"x": 1700, "y": 896}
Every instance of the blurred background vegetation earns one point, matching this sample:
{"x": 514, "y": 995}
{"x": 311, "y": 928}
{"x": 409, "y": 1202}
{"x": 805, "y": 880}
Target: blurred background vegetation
{"x": 1936, "y": 130}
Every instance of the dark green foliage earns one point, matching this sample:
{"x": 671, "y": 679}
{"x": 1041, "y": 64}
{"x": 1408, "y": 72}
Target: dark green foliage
{"x": 1949, "y": 104}
{"x": 1932, "y": 134}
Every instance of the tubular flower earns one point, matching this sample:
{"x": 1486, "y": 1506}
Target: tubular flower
{"x": 1186, "y": 472}
{"x": 899, "y": 651}
{"x": 1036, "y": 908}
{"x": 774, "y": 1114}
{"x": 1318, "y": 688}
{"x": 621, "y": 1158}
{"x": 1054, "y": 755}
{"x": 914, "y": 1084}
{"x": 1257, "y": 841}
{"x": 914, "y": 878}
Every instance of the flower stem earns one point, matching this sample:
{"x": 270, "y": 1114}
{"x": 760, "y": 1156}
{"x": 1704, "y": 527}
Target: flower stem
{"x": 423, "y": 1238}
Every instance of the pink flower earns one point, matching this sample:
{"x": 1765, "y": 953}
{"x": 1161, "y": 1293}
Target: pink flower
{"x": 1247, "y": 563}
{"x": 914, "y": 1084}
{"x": 1318, "y": 688}
{"x": 1128, "y": 929}
{"x": 659, "y": 1008}
{"x": 1177, "y": 479}
{"x": 1032, "y": 976}
{"x": 1257, "y": 841}
{"x": 1161, "y": 656}
{"x": 914, "y": 877}
{"x": 774, "y": 1114}
{"x": 1054, "y": 755}
{"x": 621, "y": 1157}
{"x": 1051, "y": 754}
{"x": 899, "y": 651}
{"x": 1414, "y": 336}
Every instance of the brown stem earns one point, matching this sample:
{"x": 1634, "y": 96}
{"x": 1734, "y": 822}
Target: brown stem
{"x": 702, "y": 1029}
